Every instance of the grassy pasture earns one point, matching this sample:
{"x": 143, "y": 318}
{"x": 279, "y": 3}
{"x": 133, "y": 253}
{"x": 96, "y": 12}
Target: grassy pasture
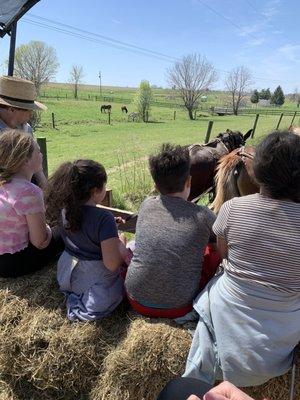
{"x": 123, "y": 146}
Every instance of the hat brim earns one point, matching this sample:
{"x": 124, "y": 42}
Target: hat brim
{"x": 35, "y": 105}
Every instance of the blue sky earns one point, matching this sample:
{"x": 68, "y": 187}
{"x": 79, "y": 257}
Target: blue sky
{"x": 260, "y": 34}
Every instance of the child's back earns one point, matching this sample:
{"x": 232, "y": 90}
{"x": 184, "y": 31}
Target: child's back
{"x": 88, "y": 269}
{"x": 171, "y": 236}
{"x": 164, "y": 274}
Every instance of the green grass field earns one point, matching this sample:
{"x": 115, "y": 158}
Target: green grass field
{"x": 123, "y": 146}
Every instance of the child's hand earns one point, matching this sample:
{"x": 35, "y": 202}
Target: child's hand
{"x": 226, "y": 391}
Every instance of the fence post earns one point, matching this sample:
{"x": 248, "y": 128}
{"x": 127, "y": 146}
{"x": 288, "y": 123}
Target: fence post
{"x": 43, "y": 146}
{"x": 174, "y": 116}
{"x": 108, "y": 117}
{"x": 254, "y": 126}
{"x": 279, "y": 121}
{"x": 208, "y": 132}
{"x": 195, "y": 114}
{"x": 53, "y": 120}
{"x": 294, "y": 116}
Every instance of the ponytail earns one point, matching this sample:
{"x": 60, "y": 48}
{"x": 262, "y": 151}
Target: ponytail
{"x": 69, "y": 188}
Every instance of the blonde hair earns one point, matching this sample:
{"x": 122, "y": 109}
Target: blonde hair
{"x": 15, "y": 149}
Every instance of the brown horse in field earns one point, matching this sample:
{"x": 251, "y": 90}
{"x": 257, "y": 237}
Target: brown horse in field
{"x": 234, "y": 176}
{"x": 204, "y": 159}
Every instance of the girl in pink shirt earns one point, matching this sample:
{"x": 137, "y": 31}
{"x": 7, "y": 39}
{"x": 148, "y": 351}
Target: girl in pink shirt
{"x": 26, "y": 241}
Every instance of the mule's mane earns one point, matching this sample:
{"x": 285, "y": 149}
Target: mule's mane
{"x": 225, "y": 188}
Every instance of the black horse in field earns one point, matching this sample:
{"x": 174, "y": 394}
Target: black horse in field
{"x": 204, "y": 159}
{"x": 124, "y": 109}
{"x": 105, "y": 107}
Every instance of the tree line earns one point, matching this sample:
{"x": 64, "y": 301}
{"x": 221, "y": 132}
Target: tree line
{"x": 277, "y": 98}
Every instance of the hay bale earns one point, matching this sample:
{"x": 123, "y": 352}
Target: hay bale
{"x": 6, "y": 392}
{"x": 42, "y": 354}
{"x": 151, "y": 354}
{"x": 39, "y": 289}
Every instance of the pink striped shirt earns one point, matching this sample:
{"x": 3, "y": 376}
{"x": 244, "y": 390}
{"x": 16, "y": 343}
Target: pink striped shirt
{"x": 18, "y": 198}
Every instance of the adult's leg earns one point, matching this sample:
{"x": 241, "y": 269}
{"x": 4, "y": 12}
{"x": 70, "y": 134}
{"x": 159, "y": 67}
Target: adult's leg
{"x": 182, "y": 388}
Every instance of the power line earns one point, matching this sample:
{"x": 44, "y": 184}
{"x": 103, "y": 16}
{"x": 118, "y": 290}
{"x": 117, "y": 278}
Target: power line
{"x": 90, "y": 39}
{"x": 227, "y": 19}
{"x": 256, "y": 10}
{"x": 103, "y": 37}
{"x": 111, "y": 42}
{"x": 252, "y": 6}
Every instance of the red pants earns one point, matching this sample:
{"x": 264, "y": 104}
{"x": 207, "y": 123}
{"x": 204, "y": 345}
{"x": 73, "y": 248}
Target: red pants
{"x": 211, "y": 262}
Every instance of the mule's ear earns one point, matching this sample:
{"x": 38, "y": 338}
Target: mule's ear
{"x": 248, "y": 134}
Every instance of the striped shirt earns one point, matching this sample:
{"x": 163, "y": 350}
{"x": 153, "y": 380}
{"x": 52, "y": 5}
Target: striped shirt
{"x": 263, "y": 238}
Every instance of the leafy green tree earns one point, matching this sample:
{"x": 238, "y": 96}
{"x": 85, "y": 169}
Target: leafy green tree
{"x": 255, "y": 97}
{"x": 278, "y": 97}
{"x": 143, "y": 99}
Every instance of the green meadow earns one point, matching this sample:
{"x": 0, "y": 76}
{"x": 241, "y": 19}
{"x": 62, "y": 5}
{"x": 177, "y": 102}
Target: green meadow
{"x": 122, "y": 146}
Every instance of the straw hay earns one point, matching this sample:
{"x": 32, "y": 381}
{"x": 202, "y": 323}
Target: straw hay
{"x": 150, "y": 355}
{"x": 44, "y": 356}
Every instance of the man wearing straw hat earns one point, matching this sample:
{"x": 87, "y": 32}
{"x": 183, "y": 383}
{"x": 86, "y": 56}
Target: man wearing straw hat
{"x": 17, "y": 101}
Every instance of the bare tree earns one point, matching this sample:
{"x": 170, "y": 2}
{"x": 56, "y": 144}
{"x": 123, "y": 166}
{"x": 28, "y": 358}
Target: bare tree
{"x": 37, "y": 62}
{"x": 76, "y": 75}
{"x": 237, "y": 83}
{"x": 192, "y": 76}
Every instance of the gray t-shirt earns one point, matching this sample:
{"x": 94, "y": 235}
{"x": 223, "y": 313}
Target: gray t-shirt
{"x": 171, "y": 235}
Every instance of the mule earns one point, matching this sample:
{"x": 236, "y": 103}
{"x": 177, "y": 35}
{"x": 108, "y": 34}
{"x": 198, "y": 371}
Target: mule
{"x": 105, "y": 107}
{"x": 204, "y": 159}
{"x": 234, "y": 176}
{"x": 124, "y": 109}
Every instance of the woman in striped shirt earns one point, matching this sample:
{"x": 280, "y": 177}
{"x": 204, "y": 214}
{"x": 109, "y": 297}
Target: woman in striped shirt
{"x": 249, "y": 319}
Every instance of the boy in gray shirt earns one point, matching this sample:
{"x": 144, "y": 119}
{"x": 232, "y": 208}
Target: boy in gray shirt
{"x": 171, "y": 236}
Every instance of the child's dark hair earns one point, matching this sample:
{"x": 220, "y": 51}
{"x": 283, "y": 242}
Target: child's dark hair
{"x": 277, "y": 165}
{"x": 70, "y": 187}
{"x": 170, "y": 168}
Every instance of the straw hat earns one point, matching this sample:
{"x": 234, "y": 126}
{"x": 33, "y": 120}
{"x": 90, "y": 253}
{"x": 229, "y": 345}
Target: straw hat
{"x": 19, "y": 93}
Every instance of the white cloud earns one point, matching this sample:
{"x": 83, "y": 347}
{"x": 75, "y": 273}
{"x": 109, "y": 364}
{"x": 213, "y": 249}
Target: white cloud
{"x": 271, "y": 9}
{"x": 256, "y": 42}
{"x": 291, "y": 52}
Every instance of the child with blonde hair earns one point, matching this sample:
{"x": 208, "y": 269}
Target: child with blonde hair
{"x": 88, "y": 271}
{"x": 27, "y": 243}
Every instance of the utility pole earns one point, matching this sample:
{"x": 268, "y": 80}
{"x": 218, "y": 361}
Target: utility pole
{"x": 100, "y": 87}
{"x": 13, "y": 35}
